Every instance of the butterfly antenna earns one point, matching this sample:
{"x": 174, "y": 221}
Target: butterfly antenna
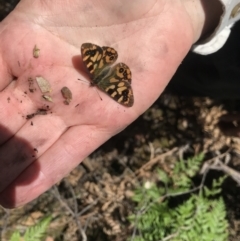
{"x": 84, "y": 81}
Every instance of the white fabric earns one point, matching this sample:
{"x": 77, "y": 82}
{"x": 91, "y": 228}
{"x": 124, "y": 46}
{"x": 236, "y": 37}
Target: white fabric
{"x": 231, "y": 14}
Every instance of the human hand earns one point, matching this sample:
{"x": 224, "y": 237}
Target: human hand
{"x": 151, "y": 37}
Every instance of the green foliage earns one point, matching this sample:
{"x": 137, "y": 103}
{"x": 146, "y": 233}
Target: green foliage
{"x": 201, "y": 217}
{"x": 184, "y": 171}
{"x": 34, "y": 233}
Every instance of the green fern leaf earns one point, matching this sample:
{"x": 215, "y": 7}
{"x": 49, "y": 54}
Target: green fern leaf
{"x": 15, "y": 236}
{"x": 37, "y": 232}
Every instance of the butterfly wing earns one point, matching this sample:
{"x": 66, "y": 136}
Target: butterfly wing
{"x": 117, "y": 84}
{"x": 91, "y": 56}
{"x": 110, "y": 55}
{"x": 115, "y": 81}
{"x": 97, "y": 60}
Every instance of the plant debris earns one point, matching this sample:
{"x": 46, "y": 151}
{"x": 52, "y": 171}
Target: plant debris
{"x": 31, "y": 87}
{"x": 38, "y": 112}
{"x": 43, "y": 84}
{"x": 67, "y": 95}
{"x": 36, "y": 51}
{"x": 47, "y": 98}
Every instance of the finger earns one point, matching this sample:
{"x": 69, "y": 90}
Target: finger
{"x": 5, "y": 76}
{"x": 30, "y": 142}
{"x": 14, "y": 105}
{"x": 73, "y": 146}
{"x": 23, "y": 98}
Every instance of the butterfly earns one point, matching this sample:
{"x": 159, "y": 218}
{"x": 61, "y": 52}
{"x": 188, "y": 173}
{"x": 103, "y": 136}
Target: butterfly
{"x": 113, "y": 80}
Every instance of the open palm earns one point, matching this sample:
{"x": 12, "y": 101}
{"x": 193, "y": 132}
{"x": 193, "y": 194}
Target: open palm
{"x": 36, "y": 153}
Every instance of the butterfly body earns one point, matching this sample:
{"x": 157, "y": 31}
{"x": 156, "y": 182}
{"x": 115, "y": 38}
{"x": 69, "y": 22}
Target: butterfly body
{"x": 114, "y": 81}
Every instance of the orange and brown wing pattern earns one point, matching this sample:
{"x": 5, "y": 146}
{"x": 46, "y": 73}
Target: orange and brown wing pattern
{"x": 118, "y": 84}
{"x": 91, "y": 56}
{"x": 116, "y": 80}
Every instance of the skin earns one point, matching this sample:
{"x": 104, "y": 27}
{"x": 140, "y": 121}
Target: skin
{"x": 151, "y": 37}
